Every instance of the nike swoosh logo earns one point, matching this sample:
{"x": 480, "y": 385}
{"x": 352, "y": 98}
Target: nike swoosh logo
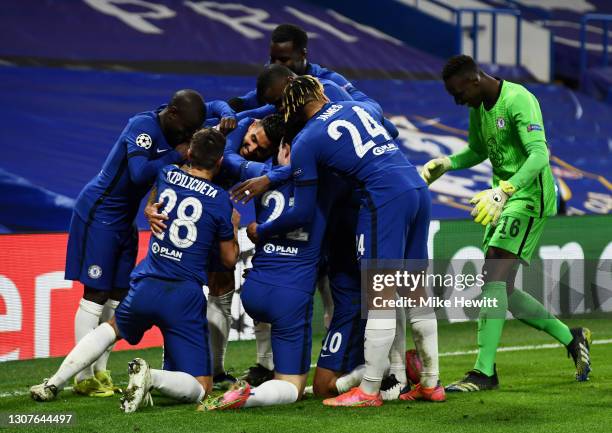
{"x": 325, "y": 356}
{"x": 162, "y": 150}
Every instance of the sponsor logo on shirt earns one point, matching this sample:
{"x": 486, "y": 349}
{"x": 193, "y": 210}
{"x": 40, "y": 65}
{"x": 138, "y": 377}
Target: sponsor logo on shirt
{"x": 280, "y": 250}
{"x": 385, "y": 148}
{"x": 144, "y": 141}
{"x": 297, "y": 173}
{"x": 534, "y": 127}
{"x": 166, "y": 252}
{"x": 94, "y": 272}
{"x": 500, "y": 122}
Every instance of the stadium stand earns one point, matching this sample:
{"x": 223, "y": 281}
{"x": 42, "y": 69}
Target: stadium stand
{"x": 563, "y": 19}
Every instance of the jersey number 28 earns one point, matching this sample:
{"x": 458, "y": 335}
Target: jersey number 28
{"x": 182, "y": 219}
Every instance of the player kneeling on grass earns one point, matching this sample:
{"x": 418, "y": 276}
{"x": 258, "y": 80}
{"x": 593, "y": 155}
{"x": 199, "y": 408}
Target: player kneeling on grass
{"x": 166, "y": 287}
{"x": 340, "y": 366}
{"x": 506, "y": 127}
{"x": 279, "y": 290}
{"x": 248, "y": 148}
{"x": 324, "y": 146}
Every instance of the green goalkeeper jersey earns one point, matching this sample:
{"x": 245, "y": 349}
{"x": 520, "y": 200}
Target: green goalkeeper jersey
{"x": 507, "y": 133}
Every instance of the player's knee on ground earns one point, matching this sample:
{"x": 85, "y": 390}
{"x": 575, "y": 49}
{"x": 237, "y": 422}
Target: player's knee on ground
{"x": 500, "y": 265}
{"x": 324, "y": 382}
{"x": 93, "y": 295}
{"x": 220, "y": 283}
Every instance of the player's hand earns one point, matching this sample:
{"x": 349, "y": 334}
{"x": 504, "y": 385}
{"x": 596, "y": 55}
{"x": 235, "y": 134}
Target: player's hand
{"x": 488, "y": 204}
{"x": 250, "y": 188}
{"x": 182, "y": 150}
{"x": 235, "y": 219}
{"x": 435, "y": 168}
{"x": 227, "y": 124}
{"x": 252, "y": 232}
{"x": 155, "y": 218}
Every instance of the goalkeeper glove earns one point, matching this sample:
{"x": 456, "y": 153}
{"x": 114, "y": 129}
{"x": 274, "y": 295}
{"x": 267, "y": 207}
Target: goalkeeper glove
{"x": 435, "y": 168}
{"x": 488, "y": 204}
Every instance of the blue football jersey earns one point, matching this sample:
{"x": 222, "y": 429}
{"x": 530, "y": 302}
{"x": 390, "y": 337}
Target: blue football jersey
{"x": 112, "y": 198}
{"x": 236, "y": 168}
{"x": 348, "y": 138}
{"x": 250, "y": 100}
{"x": 290, "y": 260}
{"x": 200, "y": 215}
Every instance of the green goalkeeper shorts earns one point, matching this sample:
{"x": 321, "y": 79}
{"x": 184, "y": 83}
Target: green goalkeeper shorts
{"x": 515, "y": 233}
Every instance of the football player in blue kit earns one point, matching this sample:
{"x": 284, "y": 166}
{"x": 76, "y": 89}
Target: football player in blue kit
{"x": 241, "y": 161}
{"x": 270, "y": 84}
{"x": 166, "y": 287}
{"x": 289, "y": 47}
{"x": 344, "y": 278}
{"x": 340, "y": 364}
{"x": 349, "y": 139}
{"x": 290, "y": 261}
{"x": 103, "y": 238}
{"x": 255, "y": 140}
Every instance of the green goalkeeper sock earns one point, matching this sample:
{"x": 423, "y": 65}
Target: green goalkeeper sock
{"x": 528, "y": 310}
{"x": 490, "y": 325}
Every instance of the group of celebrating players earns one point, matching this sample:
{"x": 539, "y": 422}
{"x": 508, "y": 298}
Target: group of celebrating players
{"x": 331, "y": 189}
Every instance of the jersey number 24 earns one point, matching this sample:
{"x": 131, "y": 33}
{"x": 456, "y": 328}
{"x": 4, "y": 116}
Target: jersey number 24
{"x": 372, "y": 127}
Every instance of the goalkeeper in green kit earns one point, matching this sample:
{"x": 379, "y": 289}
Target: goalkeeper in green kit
{"x": 506, "y": 127}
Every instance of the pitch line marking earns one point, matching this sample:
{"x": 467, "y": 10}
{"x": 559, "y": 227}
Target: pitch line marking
{"x": 512, "y": 349}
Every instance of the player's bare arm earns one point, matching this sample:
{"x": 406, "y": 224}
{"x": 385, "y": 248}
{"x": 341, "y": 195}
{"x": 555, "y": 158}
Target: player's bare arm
{"x": 153, "y": 214}
{"x": 230, "y": 248}
{"x": 251, "y": 188}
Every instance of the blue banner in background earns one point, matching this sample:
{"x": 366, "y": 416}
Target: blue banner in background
{"x": 210, "y": 36}
{"x": 58, "y": 126}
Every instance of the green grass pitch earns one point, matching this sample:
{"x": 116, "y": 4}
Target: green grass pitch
{"x": 537, "y": 394}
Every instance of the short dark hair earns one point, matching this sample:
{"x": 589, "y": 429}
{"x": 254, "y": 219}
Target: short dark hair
{"x": 207, "y": 146}
{"x": 290, "y": 33}
{"x": 269, "y": 76}
{"x": 189, "y": 100}
{"x": 274, "y": 127}
{"x": 458, "y": 65}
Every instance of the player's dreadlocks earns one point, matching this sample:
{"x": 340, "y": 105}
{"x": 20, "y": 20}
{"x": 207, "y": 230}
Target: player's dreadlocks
{"x": 298, "y": 93}
{"x": 458, "y": 65}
